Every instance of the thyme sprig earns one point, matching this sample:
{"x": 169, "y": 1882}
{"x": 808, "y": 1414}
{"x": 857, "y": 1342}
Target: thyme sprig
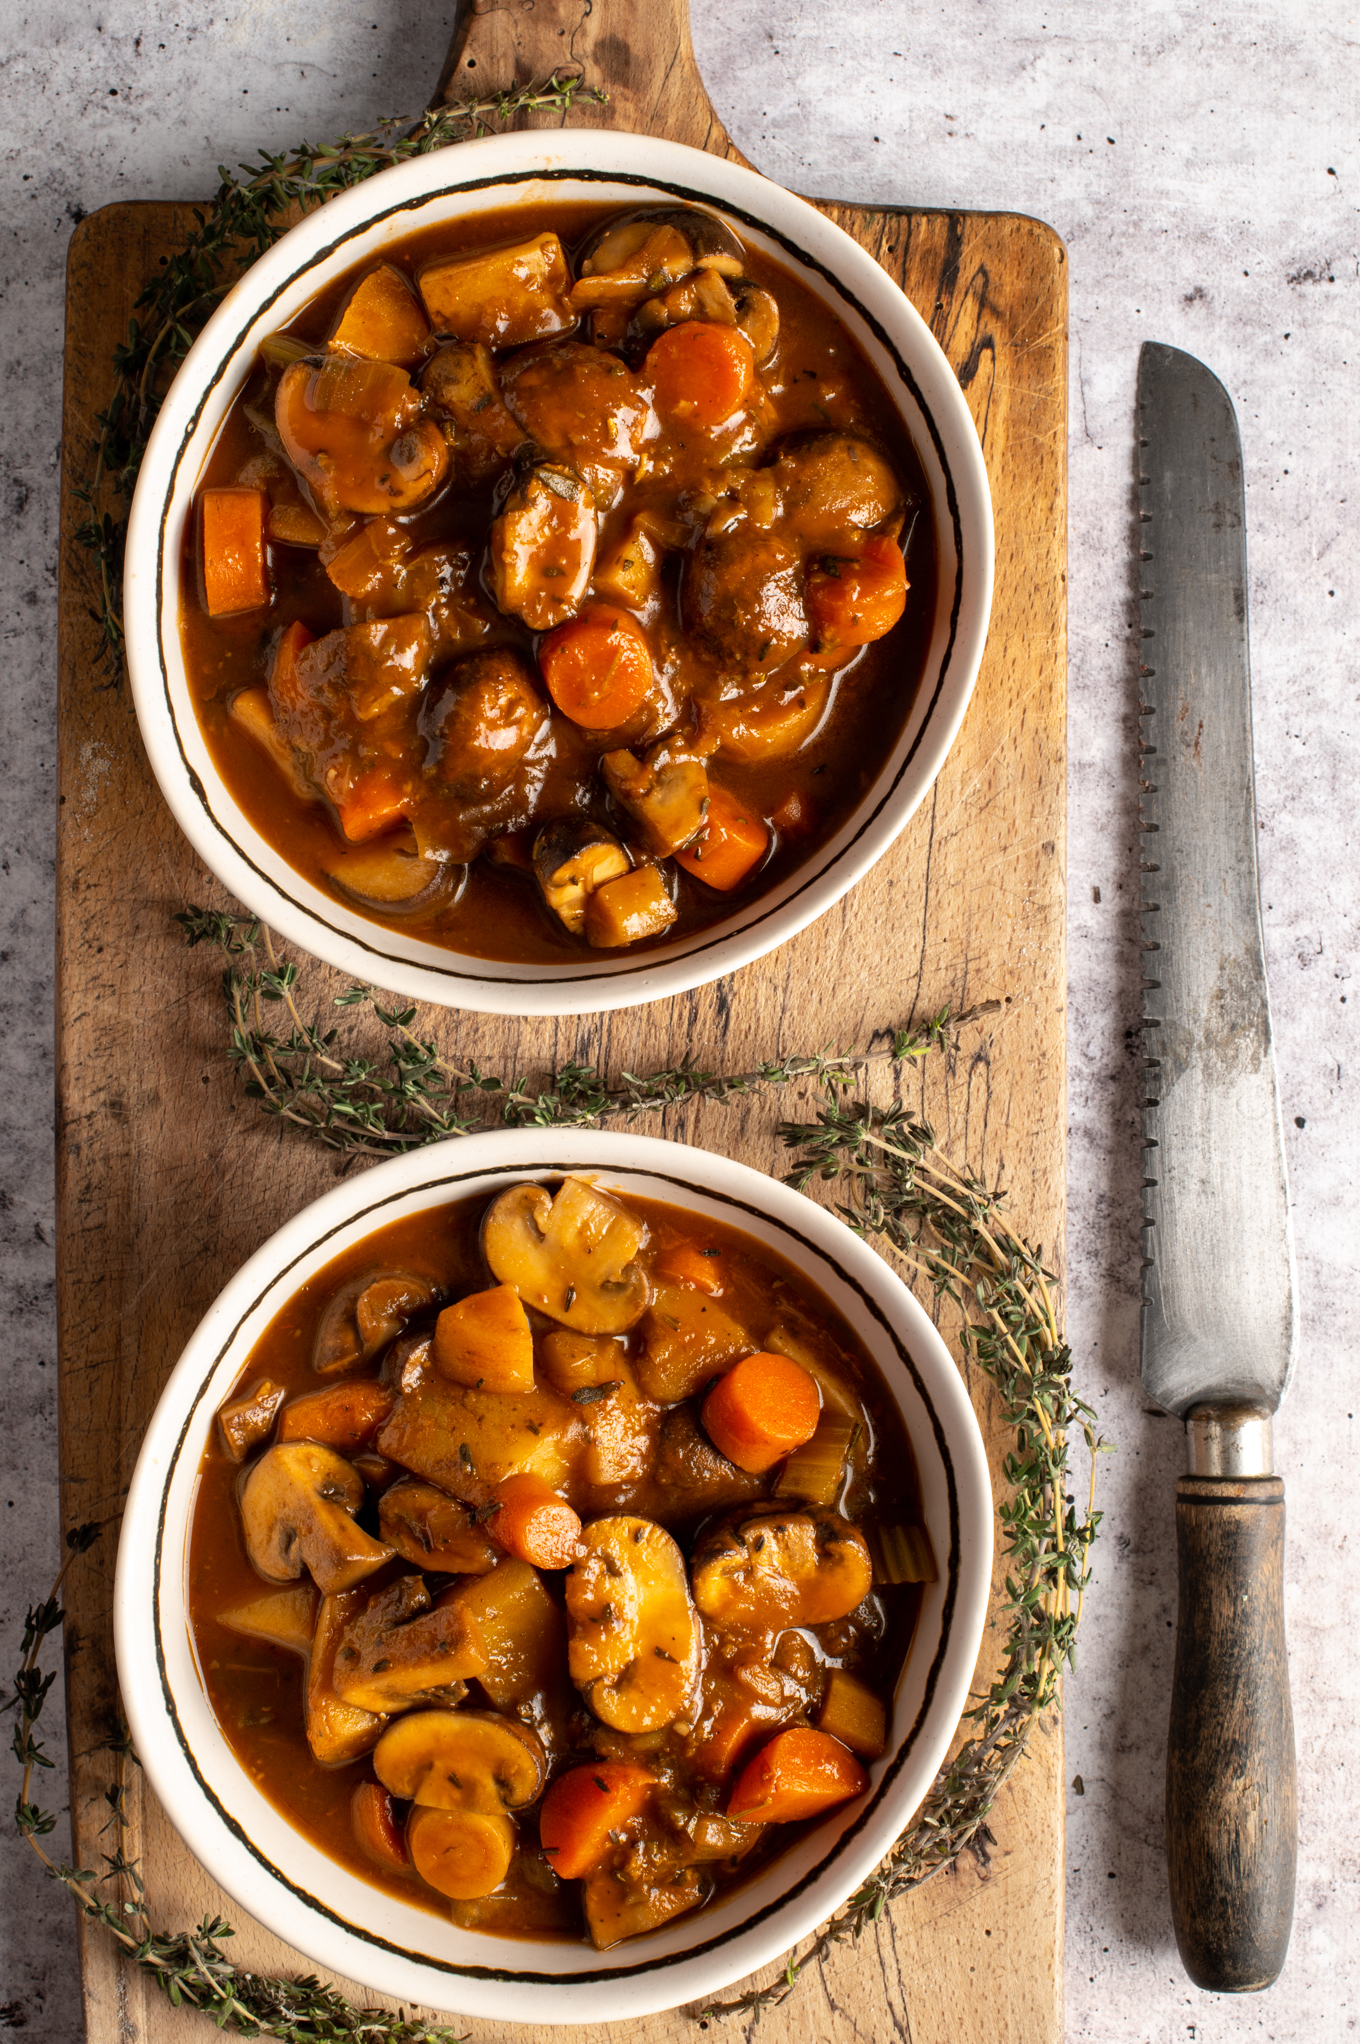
{"x": 252, "y": 207}
{"x": 191, "y": 1968}
{"x": 951, "y": 1232}
{"x": 381, "y": 1106}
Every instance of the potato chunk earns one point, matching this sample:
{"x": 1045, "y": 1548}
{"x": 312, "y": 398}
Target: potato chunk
{"x": 543, "y": 547}
{"x": 626, "y": 910}
{"x": 778, "y": 1568}
{"x": 502, "y": 297}
{"x": 382, "y": 320}
{"x": 484, "y": 1341}
{"x": 634, "y": 1637}
{"x": 521, "y": 1631}
{"x": 467, "y": 1441}
{"x": 246, "y": 1421}
{"x": 615, "y": 1910}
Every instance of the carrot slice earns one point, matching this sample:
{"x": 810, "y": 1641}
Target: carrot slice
{"x": 852, "y": 600}
{"x": 534, "y": 1524}
{"x": 732, "y": 842}
{"x": 761, "y": 1411}
{"x": 373, "y": 801}
{"x": 235, "y": 568}
{"x": 700, "y": 373}
{"x": 798, "y": 1774}
{"x": 583, "y": 1807}
{"x": 343, "y": 1415}
{"x": 598, "y": 668}
{"x": 376, "y": 1831}
{"x": 695, "y": 1264}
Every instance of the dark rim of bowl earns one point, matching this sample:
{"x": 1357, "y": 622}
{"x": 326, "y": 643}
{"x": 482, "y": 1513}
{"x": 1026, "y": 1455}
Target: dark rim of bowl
{"x": 724, "y": 933}
{"x": 590, "y": 1975}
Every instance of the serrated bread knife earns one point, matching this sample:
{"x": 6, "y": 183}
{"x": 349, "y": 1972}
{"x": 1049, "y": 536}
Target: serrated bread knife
{"x": 1218, "y": 1271}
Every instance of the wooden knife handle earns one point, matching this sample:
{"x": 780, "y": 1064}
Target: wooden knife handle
{"x": 1231, "y": 1811}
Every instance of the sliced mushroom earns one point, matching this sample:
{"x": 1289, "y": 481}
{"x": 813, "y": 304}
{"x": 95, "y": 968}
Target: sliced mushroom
{"x": 467, "y": 1441}
{"x": 245, "y": 1422}
{"x": 757, "y": 313}
{"x": 250, "y": 709}
{"x": 502, "y": 297}
{"x": 364, "y": 1315}
{"x": 779, "y": 1568}
{"x": 389, "y": 874}
{"x": 425, "y": 1525}
{"x": 711, "y": 242}
{"x": 542, "y": 547}
{"x": 702, "y": 295}
{"x": 336, "y": 1731}
{"x": 667, "y": 792}
{"x": 353, "y": 431}
{"x": 400, "y": 1650}
{"x": 834, "y": 485}
{"x": 521, "y": 1630}
{"x": 571, "y": 859}
{"x": 686, "y": 1339}
{"x": 376, "y": 1831}
{"x": 285, "y": 1618}
{"x": 484, "y": 1342}
{"x": 629, "y": 258}
{"x": 630, "y": 575}
{"x": 461, "y": 1760}
{"x": 633, "y": 1649}
{"x": 297, "y": 1508}
{"x": 572, "y": 1255}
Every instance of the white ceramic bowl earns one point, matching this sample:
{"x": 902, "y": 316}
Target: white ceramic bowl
{"x": 338, "y": 1919}
{"x": 456, "y": 184}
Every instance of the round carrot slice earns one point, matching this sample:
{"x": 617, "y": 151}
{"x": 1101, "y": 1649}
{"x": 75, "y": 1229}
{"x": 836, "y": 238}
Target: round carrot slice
{"x": 598, "y": 668}
{"x": 701, "y": 374}
{"x": 798, "y": 1774}
{"x": 534, "y": 1523}
{"x": 761, "y": 1411}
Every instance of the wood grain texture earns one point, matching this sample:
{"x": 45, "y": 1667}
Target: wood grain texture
{"x": 1231, "y": 1801}
{"x": 168, "y": 1178}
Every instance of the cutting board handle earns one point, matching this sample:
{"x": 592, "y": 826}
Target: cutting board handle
{"x": 1231, "y": 1814}
{"x": 638, "y": 51}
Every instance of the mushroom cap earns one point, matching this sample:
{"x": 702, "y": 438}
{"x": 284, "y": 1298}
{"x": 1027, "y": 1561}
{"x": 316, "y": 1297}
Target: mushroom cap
{"x": 633, "y": 1650}
{"x": 461, "y": 1760}
{"x": 365, "y": 1314}
{"x": 714, "y": 244}
{"x": 297, "y": 1507}
{"x": 572, "y": 1256}
{"x": 777, "y": 1567}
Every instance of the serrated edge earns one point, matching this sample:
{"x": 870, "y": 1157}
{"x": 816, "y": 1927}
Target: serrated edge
{"x": 1148, "y": 911}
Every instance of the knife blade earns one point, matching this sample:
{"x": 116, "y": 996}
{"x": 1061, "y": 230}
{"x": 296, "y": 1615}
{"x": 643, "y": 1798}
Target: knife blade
{"x": 1219, "y": 1311}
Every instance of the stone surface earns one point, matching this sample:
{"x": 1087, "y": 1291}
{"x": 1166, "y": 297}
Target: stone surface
{"x": 1205, "y": 175}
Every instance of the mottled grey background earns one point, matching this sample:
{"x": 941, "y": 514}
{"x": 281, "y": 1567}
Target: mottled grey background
{"x": 1205, "y": 175}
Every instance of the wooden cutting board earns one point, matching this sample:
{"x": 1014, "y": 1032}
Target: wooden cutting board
{"x": 168, "y": 1178}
